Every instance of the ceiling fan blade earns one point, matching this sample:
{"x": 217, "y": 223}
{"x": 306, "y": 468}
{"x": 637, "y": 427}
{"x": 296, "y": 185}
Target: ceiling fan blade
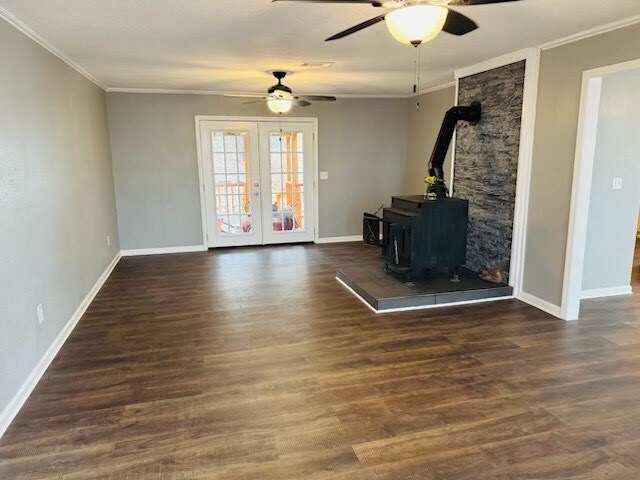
{"x": 465, "y": 3}
{"x": 300, "y": 103}
{"x": 254, "y": 101}
{"x": 317, "y": 98}
{"x": 370, "y": 2}
{"x": 357, "y": 28}
{"x": 240, "y": 95}
{"x": 458, "y": 24}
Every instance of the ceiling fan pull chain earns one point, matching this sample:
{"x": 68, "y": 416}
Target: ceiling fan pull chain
{"x": 415, "y": 71}
{"x": 419, "y": 62}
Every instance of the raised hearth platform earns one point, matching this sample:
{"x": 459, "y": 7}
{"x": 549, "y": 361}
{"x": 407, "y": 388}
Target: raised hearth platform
{"x": 387, "y": 292}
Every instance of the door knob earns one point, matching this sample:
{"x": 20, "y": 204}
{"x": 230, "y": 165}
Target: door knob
{"x": 256, "y": 194}
{"x": 256, "y": 184}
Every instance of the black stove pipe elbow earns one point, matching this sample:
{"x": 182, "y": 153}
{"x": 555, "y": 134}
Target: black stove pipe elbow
{"x": 471, "y": 114}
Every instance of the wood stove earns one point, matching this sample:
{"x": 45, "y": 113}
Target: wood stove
{"x": 421, "y": 234}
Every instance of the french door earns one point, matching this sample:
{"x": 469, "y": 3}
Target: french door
{"x": 258, "y": 182}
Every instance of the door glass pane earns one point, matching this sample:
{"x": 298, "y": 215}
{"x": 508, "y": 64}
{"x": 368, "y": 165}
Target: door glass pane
{"x": 287, "y": 182}
{"x": 274, "y": 143}
{"x": 221, "y": 205}
{"x": 276, "y": 183}
{"x": 230, "y": 142}
{"x": 232, "y": 180}
{"x": 276, "y": 162}
{"x": 231, "y": 160}
{"x": 218, "y": 161}
{"x": 233, "y": 204}
{"x": 218, "y": 143}
{"x": 234, "y": 224}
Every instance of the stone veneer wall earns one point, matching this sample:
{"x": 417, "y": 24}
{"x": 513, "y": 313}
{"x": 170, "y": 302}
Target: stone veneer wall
{"x": 486, "y": 163}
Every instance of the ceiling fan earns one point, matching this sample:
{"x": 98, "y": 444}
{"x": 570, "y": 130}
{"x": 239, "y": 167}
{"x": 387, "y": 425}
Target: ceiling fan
{"x": 280, "y": 98}
{"x": 414, "y": 21}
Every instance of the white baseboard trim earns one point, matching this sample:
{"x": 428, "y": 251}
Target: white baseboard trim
{"x": 164, "y": 250}
{"x": 606, "y": 292}
{"x": 540, "y": 304}
{"x": 351, "y": 238}
{"x": 11, "y": 410}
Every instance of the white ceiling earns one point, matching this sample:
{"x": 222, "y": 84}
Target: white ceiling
{"x": 227, "y": 45}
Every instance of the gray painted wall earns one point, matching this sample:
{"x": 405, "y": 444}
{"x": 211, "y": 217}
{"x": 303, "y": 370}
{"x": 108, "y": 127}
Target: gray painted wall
{"x": 554, "y": 150}
{"x": 613, "y": 215}
{"x": 362, "y": 144}
{"x": 486, "y": 165}
{"x": 424, "y": 125}
{"x": 56, "y": 200}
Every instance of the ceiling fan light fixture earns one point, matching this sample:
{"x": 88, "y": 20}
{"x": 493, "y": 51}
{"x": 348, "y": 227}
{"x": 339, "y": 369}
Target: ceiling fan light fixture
{"x": 280, "y": 105}
{"x": 281, "y": 93}
{"x": 416, "y": 23}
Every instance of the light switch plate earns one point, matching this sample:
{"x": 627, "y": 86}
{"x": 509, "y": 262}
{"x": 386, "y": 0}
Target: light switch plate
{"x": 616, "y": 184}
{"x": 324, "y": 175}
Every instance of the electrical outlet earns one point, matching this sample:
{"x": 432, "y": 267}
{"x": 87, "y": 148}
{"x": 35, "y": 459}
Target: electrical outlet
{"x": 616, "y": 184}
{"x": 108, "y": 241}
{"x": 324, "y": 175}
{"x": 40, "y": 311}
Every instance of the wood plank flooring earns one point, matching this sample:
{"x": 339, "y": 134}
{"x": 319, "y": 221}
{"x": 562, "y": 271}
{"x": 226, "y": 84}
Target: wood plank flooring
{"x": 256, "y": 364}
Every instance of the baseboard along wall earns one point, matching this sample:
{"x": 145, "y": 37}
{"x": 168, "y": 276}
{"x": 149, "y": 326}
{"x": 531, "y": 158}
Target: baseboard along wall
{"x": 163, "y": 250}
{"x": 350, "y": 238}
{"x": 606, "y": 292}
{"x": 11, "y": 410}
{"x": 540, "y": 304}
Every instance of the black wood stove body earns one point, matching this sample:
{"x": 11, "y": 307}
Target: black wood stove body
{"x": 421, "y": 234}
{"x": 424, "y": 232}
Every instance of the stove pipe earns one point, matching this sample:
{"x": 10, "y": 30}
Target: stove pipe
{"x": 471, "y": 114}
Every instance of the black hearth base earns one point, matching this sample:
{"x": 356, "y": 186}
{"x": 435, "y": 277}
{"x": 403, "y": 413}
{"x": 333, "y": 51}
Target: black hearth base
{"x": 387, "y": 292}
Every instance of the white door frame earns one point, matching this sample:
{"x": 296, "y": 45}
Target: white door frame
{"x": 233, "y": 118}
{"x": 581, "y": 188}
{"x": 525, "y": 158}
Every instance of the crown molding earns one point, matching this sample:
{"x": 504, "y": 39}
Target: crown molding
{"x": 364, "y": 95}
{"x": 33, "y": 35}
{"x": 497, "y": 62}
{"x": 174, "y": 91}
{"x": 433, "y": 89}
{"x": 592, "y": 32}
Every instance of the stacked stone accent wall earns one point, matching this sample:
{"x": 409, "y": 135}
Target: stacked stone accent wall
{"x": 486, "y": 163}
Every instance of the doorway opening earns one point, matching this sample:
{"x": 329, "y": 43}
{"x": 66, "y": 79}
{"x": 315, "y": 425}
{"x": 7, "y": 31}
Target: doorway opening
{"x": 257, "y": 180}
{"x": 601, "y": 241}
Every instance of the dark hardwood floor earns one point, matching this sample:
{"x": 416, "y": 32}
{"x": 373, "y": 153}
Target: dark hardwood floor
{"x": 257, "y": 364}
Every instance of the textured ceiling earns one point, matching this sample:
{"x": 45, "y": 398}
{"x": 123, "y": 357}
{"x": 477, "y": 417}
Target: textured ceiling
{"x": 226, "y": 45}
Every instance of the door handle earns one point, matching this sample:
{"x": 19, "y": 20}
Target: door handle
{"x": 256, "y": 194}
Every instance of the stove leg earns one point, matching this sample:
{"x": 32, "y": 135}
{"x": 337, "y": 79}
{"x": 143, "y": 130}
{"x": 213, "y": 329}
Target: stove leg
{"x": 409, "y": 280}
{"x": 455, "y": 275}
